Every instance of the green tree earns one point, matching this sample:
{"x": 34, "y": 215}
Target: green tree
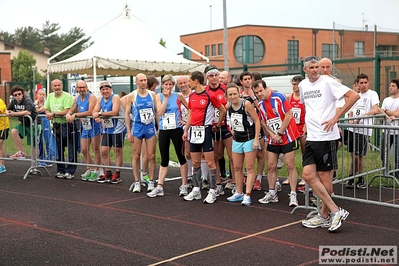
{"x": 22, "y": 68}
{"x": 47, "y": 37}
{"x": 162, "y": 42}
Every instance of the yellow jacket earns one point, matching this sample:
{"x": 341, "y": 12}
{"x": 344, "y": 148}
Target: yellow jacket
{"x": 4, "y": 121}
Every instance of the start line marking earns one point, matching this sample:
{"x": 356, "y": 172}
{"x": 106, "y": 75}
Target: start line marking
{"x": 225, "y": 243}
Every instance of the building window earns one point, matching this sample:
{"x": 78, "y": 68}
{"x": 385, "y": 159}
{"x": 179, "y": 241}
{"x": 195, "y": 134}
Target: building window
{"x": 187, "y": 53}
{"x": 359, "y": 48}
{"x": 386, "y": 50}
{"x": 293, "y": 56}
{"x": 206, "y": 50}
{"x": 213, "y": 49}
{"x": 220, "y": 49}
{"x": 249, "y": 49}
{"x": 327, "y": 51}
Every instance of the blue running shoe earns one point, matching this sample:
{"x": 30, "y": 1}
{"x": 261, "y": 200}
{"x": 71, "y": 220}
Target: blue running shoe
{"x": 236, "y": 197}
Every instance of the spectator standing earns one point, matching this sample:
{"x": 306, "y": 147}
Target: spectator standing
{"x": 67, "y": 134}
{"x": 22, "y": 106}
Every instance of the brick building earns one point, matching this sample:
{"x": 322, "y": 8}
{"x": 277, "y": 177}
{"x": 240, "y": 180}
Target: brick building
{"x": 260, "y": 47}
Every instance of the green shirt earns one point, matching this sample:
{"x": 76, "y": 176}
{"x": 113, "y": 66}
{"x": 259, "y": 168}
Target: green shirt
{"x": 54, "y": 105}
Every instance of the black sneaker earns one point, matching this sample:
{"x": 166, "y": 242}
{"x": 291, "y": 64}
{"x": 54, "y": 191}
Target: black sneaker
{"x": 349, "y": 185}
{"x": 104, "y": 179}
{"x": 361, "y": 185}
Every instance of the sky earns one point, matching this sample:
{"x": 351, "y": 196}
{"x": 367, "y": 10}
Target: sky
{"x": 168, "y": 19}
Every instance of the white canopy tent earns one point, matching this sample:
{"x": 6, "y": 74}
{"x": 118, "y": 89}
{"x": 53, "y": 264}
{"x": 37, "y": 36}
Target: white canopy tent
{"x": 124, "y": 49}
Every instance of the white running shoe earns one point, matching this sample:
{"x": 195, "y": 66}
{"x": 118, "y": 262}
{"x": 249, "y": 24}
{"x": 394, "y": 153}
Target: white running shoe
{"x": 151, "y": 186}
{"x": 293, "y": 200}
{"x": 337, "y": 218}
{"x": 193, "y": 195}
{"x": 246, "y": 201}
{"x": 317, "y": 221}
{"x": 210, "y": 198}
{"x": 183, "y": 190}
{"x": 158, "y": 191}
{"x": 136, "y": 188}
{"x": 268, "y": 198}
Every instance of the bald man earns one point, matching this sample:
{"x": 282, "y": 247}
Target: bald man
{"x": 224, "y": 77}
{"x": 326, "y": 68}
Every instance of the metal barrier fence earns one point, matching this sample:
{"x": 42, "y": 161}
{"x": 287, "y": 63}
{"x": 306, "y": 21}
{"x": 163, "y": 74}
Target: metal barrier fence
{"x": 381, "y": 163}
{"x": 66, "y": 149}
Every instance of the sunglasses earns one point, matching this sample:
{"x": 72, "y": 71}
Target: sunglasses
{"x": 105, "y": 86}
{"x": 17, "y": 94}
{"x": 312, "y": 58}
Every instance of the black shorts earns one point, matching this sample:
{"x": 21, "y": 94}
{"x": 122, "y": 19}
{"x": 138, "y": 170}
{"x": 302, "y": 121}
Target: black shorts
{"x": 321, "y": 153}
{"x": 292, "y": 146}
{"x": 223, "y": 133}
{"x": 113, "y": 140}
{"x": 4, "y": 133}
{"x": 357, "y": 143}
{"x": 207, "y": 145}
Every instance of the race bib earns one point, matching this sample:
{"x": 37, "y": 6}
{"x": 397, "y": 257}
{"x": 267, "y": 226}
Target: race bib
{"x": 296, "y": 113}
{"x": 237, "y": 122}
{"x": 360, "y": 110}
{"x": 274, "y": 124}
{"x": 184, "y": 113}
{"x": 146, "y": 116}
{"x": 86, "y": 123}
{"x": 108, "y": 123}
{"x": 217, "y": 115}
{"x": 169, "y": 121}
{"x": 197, "y": 134}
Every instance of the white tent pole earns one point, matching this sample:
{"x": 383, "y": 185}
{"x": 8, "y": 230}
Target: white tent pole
{"x": 185, "y": 46}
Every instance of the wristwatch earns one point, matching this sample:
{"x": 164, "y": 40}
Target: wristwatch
{"x": 280, "y": 134}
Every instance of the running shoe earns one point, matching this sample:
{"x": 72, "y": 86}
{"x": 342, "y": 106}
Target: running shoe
{"x": 268, "y": 198}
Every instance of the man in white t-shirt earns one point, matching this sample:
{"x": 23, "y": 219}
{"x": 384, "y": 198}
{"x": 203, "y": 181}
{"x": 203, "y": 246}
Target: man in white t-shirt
{"x": 390, "y": 106}
{"x": 319, "y": 93}
{"x": 368, "y": 104}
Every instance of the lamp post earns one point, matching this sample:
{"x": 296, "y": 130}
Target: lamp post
{"x": 33, "y": 87}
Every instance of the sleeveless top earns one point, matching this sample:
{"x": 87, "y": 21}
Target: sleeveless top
{"x": 241, "y": 123}
{"x": 112, "y": 125}
{"x": 87, "y": 122}
{"x": 170, "y": 118}
{"x": 143, "y": 109}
